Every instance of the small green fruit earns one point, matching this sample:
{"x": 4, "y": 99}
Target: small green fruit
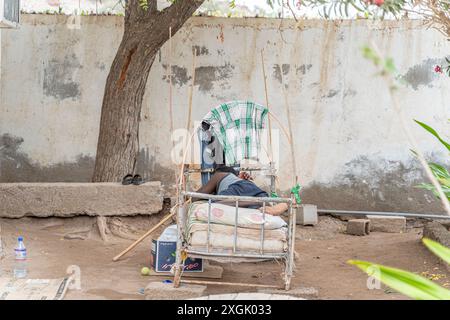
{"x": 145, "y": 271}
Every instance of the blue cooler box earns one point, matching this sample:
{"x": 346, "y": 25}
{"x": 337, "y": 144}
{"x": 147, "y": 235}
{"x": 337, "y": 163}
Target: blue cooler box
{"x": 163, "y": 257}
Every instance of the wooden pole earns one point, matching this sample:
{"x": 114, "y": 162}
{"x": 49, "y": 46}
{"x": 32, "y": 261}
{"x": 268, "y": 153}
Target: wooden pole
{"x": 282, "y": 127}
{"x": 170, "y": 82}
{"x": 267, "y": 105}
{"x": 191, "y": 91}
{"x": 170, "y": 75}
{"x": 170, "y": 56}
{"x": 288, "y": 113}
{"x": 134, "y": 244}
{"x": 187, "y": 146}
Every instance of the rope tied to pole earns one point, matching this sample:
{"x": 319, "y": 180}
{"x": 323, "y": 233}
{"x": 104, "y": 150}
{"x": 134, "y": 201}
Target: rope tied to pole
{"x": 295, "y": 190}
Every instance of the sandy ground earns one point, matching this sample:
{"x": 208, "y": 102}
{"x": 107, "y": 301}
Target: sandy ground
{"x": 54, "y": 244}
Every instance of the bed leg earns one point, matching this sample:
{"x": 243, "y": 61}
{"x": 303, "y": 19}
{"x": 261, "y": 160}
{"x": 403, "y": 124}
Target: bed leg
{"x": 177, "y": 276}
{"x": 178, "y": 263}
{"x": 287, "y": 283}
{"x": 288, "y": 271}
{"x": 291, "y": 234}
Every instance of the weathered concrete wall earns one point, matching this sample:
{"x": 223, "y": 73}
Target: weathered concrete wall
{"x": 351, "y": 151}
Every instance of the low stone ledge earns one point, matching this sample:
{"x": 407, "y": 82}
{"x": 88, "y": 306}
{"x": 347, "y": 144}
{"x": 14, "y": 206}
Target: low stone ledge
{"x": 300, "y": 292}
{"x": 390, "y": 224}
{"x": 72, "y": 199}
{"x": 166, "y": 291}
{"x": 439, "y": 233}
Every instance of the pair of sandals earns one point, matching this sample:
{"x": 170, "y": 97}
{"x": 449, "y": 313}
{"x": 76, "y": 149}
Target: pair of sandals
{"x": 130, "y": 179}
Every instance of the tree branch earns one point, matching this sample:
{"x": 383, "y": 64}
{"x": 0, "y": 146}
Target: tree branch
{"x": 152, "y": 6}
{"x": 153, "y": 27}
{"x": 177, "y": 14}
{"x": 292, "y": 10}
{"x": 132, "y": 9}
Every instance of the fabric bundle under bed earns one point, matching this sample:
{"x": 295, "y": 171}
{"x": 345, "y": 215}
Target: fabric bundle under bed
{"x": 222, "y": 220}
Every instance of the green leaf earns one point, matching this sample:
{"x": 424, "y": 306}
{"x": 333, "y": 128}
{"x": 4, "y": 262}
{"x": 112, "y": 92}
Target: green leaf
{"x": 434, "y": 133}
{"x": 405, "y": 282}
{"x": 369, "y": 54}
{"x": 438, "y": 170}
{"x": 430, "y": 187}
{"x": 143, "y": 4}
{"x": 445, "y": 182}
{"x": 438, "y": 249}
{"x": 427, "y": 186}
{"x": 389, "y": 65}
{"x": 346, "y": 8}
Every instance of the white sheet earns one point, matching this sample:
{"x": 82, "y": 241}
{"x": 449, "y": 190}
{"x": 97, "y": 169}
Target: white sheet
{"x": 248, "y": 240}
{"x": 226, "y": 215}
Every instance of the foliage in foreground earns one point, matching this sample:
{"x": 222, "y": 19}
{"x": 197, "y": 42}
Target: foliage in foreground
{"x": 408, "y": 283}
{"x": 440, "y": 172}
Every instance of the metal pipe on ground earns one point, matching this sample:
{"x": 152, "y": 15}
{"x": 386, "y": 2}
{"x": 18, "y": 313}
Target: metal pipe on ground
{"x": 379, "y": 213}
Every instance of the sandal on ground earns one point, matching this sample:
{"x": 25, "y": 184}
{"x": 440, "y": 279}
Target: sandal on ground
{"x": 127, "y": 180}
{"x": 137, "y": 180}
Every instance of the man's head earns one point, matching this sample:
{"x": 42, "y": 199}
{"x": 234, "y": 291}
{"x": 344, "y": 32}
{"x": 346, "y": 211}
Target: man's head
{"x": 224, "y": 168}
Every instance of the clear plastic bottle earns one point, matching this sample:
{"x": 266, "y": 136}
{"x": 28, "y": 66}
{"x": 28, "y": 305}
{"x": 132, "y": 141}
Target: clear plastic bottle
{"x": 169, "y": 234}
{"x": 20, "y": 265}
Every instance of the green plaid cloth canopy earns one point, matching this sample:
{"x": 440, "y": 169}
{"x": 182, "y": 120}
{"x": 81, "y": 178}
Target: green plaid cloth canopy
{"x": 237, "y": 126}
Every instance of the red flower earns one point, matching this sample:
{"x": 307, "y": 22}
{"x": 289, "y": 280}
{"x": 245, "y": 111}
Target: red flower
{"x": 53, "y": 3}
{"x": 378, "y": 3}
{"x": 438, "y": 69}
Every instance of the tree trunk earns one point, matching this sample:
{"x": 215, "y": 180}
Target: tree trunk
{"x": 119, "y": 125}
{"x": 145, "y": 33}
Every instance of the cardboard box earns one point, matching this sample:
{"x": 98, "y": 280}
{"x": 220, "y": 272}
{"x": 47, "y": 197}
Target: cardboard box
{"x": 163, "y": 257}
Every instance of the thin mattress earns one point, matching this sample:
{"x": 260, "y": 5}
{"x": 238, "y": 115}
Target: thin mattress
{"x": 249, "y": 230}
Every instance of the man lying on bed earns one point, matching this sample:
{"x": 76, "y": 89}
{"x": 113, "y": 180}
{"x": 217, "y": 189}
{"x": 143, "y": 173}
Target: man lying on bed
{"x": 227, "y": 182}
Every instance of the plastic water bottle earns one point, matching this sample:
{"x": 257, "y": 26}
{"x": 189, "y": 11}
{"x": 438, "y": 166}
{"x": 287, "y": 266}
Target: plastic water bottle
{"x": 20, "y": 266}
{"x": 169, "y": 234}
